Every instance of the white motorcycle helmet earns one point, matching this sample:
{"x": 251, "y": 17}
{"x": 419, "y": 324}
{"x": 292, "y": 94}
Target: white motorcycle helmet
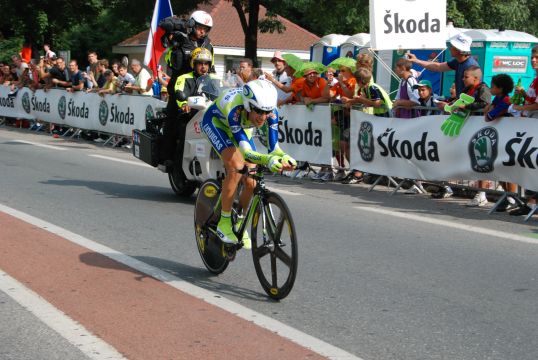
{"x": 202, "y": 18}
{"x": 260, "y": 94}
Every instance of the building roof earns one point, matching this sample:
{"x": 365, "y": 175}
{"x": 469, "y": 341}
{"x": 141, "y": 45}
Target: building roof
{"x": 227, "y": 31}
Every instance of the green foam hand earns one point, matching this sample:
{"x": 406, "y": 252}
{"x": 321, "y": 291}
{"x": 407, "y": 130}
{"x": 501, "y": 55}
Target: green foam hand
{"x": 452, "y": 126}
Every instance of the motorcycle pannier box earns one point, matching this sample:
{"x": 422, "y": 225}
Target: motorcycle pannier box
{"x": 145, "y": 147}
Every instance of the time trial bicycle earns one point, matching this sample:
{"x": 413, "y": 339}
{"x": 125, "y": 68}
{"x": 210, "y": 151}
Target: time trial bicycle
{"x": 273, "y": 236}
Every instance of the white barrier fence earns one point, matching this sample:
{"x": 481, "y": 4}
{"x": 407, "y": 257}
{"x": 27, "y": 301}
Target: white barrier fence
{"x": 502, "y": 150}
{"x": 114, "y": 114}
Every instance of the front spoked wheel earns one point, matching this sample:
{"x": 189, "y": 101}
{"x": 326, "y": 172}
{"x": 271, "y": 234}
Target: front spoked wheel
{"x": 274, "y": 246}
{"x": 209, "y": 247}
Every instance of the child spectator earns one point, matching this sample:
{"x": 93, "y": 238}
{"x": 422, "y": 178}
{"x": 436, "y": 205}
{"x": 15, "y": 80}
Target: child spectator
{"x": 501, "y": 86}
{"x": 123, "y": 79}
{"x": 407, "y": 96}
{"x": 343, "y": 90}
{"x": 372, "y": 95}
{"x": 109, "y": 86}
{"x": 426, "y": 98}
{"x": 530, "y": 108}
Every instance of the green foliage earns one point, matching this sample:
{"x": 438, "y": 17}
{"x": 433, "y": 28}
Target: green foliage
{"x": 9, "y": 47}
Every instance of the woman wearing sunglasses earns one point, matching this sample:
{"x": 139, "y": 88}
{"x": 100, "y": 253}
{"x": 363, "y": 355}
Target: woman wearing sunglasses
{"x": 228, "y": 124}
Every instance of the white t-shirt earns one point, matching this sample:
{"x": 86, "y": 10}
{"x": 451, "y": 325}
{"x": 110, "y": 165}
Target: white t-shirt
{"x": 142, "y": 80}
{"x": 284, "y": 79}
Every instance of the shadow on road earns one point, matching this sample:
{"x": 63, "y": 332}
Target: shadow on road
{"x": 177, "y": 271}
{"x": 125, "y": 191}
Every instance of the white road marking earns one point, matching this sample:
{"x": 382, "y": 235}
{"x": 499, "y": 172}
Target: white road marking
{"x": 40, "y": 145}
{"x": 137, "y": 163}
{"x": 68, "y": 328}
{"x": 285, "y": 192}
{"x": 305, "y": 340}
{"x": 451, "y": 224}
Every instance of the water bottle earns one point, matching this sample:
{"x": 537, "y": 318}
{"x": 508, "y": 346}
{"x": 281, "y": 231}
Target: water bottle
{"x": 517, "y": 98}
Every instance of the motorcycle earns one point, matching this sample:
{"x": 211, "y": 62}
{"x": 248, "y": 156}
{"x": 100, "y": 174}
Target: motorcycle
{"x": 195, "y": 160}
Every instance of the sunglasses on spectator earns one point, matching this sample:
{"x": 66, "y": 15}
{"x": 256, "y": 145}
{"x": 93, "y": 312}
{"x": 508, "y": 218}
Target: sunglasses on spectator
{"x": 261, "y": 112}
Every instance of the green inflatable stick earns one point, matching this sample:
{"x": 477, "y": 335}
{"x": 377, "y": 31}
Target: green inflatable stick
{"x": 452, "y": 126}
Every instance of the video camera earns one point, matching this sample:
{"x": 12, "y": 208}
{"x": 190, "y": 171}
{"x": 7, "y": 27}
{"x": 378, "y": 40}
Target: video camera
{"x": 177, "y": 27}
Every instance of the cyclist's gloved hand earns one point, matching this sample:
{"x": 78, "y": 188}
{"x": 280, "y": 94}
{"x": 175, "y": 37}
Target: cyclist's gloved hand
{"x": 288, "y": 160}
{"x": 275, "y": 163}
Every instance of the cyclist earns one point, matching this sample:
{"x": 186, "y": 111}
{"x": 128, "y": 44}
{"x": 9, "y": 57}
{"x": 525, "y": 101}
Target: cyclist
{"x": 228, "y": 123}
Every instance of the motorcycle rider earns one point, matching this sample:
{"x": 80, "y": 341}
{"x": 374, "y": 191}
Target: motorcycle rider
{"x": 201, "y": 61}
{"x": 228, "y": 124}
{"x": 181, "y": 38}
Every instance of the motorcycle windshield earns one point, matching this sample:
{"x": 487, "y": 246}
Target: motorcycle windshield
{"x": 208, "y": 86}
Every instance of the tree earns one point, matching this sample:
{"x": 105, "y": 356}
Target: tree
{"x": 269, "y": 23}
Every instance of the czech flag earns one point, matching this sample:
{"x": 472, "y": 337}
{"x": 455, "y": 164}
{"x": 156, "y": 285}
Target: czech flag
{"x": 154, "y": 48}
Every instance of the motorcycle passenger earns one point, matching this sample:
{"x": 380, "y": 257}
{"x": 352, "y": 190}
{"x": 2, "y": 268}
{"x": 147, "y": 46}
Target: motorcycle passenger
{"x": 175, "y": 130}
{"x": 228, "y": 123}
{"x": 181, "y": 38}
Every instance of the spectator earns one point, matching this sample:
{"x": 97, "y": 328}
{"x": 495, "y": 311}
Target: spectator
{"x": 124, "y": 79}
{"x": 314, "y": 89}
{"x": 143, "y": 83}
{"x": 426, "y": 98}
{"x": 407, "y": 96}
{"x": 97, "y": 79}
{"x": 109, "y": 87}
{"x": 364, "y": 61}
{"x": 245, "y": 72}
{"x": 290, "y": 89}
{"x": 76, "y": 76}
{"x": 91, "y": 68}
{"x": 460, "y": 50}
{"x": 501, "y": 86}
{"x": 19, "y": 64}
{"x": 372, "y": 95}
{"x": 530, "y": 108}
{"x": 7, "y": 76}
{"x": 475, "y": 87}
{"x": 331, "y": 79}
{"x": 343, "y": 91}
{"x": 115, "y": 67}
{"x": 279, "y": 74}
{"x": 58, "y": 75}
{"x": 349, "y": 54}
{"x": 49, "y": 54}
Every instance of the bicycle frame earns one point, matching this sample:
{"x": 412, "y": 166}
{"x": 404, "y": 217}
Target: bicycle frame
{"x": 257, "y": 197}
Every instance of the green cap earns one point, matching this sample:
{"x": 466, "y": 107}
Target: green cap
{"x": 423, "y": 83}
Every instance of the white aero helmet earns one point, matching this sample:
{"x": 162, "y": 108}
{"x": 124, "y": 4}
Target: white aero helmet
{"x": 202, "y": 18}
{"x": 260, "y": 94}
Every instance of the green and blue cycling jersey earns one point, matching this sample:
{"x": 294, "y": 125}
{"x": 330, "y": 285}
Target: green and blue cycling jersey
{"x": 226, "y": 124}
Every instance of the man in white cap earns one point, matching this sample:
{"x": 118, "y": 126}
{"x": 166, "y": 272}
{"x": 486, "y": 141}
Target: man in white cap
{"x": 279, "y": 74}
{"x": 460, "y": 50}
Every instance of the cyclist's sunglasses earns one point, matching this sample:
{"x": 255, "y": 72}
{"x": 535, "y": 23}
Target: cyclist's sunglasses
{"x": 260, "y": 111}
